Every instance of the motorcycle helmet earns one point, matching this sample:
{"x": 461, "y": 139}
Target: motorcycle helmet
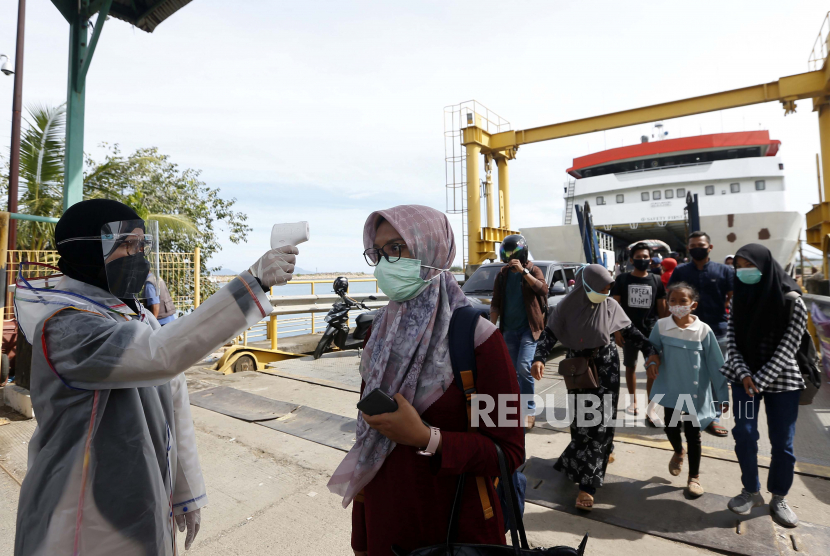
{"x": 341, "y": 285}
{"x": 513, "y": 247}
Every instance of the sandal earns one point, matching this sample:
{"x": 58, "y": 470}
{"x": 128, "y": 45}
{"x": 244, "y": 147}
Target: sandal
{"x": 611, "y": 458}
{"x": 632, "y": 409}
{"x": 676, "y": 463}
{"x": 717, "y": 430}
{"x": 584, "y": 501}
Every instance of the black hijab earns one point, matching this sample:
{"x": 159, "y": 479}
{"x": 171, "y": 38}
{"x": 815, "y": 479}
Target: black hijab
{"x": 84, "y": 260}
{"x": 759, "y": 310}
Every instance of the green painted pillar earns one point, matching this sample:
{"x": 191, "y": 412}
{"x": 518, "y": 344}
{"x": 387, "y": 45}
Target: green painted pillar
{"x": 73, "y": 189}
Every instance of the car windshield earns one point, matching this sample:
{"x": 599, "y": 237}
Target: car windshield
{"x": 482, "y": 279}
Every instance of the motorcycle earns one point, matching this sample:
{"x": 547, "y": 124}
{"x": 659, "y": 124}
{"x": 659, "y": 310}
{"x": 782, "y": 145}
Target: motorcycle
{"x": 337, "y": 330}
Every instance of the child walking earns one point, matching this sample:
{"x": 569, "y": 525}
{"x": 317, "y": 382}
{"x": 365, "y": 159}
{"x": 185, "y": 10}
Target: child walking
{"x": 688, "y": 374}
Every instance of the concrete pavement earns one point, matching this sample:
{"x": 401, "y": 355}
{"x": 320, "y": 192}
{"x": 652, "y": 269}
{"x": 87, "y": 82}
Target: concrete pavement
{"x": 268, "y": 495}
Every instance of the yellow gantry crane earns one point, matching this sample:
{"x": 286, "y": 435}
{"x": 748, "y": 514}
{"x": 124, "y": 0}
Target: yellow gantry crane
{"x": 502, "y": 146}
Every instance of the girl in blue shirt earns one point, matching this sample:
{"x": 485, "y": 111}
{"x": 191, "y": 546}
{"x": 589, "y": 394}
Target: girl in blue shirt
{"x": 689, "y": 374}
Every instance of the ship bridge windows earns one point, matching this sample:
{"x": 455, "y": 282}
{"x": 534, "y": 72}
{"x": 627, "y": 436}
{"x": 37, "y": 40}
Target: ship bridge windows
{"x": 710, "y": 189}
{"x": 681, "y": 192}
{"x": 760, "y": 185}
{"x": 669, "y": 193}
{"x": 600, "y": 200}
{"x": 620, "y": 198}
{"x": 644, "y": 195}
{"x": 656, "y": 195}
{"x": 670, "y": 161}
{"x": 735, "y": 187}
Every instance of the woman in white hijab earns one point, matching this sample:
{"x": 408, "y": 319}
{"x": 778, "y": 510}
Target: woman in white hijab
{"x": 584, "y": 322}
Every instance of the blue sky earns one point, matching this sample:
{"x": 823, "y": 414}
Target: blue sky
{"x": 325, "y": 111}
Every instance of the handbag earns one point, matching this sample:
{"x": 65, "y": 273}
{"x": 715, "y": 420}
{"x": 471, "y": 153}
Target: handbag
{"x": 517, "y": 531}
{"x": 580, "y": 373}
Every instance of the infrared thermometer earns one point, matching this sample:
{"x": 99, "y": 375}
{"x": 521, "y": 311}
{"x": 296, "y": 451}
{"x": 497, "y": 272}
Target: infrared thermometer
{"x": 289, "y": 234}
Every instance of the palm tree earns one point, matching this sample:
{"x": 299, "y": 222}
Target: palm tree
{"x": 41, "y": 177}
{"x": 41, "y": 173}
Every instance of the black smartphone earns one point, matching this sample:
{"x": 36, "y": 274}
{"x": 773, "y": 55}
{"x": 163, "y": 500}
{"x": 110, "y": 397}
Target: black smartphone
{"x": 377, "y": 402}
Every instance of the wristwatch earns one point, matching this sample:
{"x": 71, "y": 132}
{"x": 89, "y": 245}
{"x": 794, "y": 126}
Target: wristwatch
{"x": 434, "y": 440}
{"x": 525, "y": 271}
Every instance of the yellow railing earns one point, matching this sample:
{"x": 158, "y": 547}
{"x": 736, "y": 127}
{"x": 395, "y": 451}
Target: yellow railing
{"x": 180, "y": 271}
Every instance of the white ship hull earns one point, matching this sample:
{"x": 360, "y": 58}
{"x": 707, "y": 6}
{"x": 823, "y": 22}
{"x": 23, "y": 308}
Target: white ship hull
{"x": 639, "y": 192}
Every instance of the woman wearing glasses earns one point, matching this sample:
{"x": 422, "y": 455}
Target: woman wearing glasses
{"x": 402, "y": 474}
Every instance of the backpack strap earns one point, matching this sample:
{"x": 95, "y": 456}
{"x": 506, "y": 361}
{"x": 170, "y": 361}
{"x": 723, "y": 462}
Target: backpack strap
{"x": 463, "y": 358}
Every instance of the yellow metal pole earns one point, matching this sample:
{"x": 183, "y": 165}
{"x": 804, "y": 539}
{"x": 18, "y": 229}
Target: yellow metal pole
{"x": 272, "y": 324}
{"x": 473, "y": 204}
{"x": 491, "y": 197}
{"x": 818, "y": 176}
{"x": 824, "y": 136}
{"x": 504, "y": 193}
{"x": 197, "y": 278}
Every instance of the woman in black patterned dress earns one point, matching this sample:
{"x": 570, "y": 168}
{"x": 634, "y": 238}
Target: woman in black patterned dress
{"x": 584, "y": 322}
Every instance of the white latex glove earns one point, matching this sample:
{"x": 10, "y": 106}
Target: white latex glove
{"x": 276, "y": 266}
{"x": 191, "y": 520}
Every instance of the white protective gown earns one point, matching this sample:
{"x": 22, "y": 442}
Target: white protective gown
{"x": 114, "y": 455}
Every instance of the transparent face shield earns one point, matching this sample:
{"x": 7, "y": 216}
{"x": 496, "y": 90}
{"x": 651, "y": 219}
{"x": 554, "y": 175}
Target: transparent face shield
{"x": 130, "y": 253}
{"x": 131, "y": 259}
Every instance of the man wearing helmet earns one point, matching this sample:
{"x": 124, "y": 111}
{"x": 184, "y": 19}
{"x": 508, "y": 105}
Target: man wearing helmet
{"x": 519, "y": 306}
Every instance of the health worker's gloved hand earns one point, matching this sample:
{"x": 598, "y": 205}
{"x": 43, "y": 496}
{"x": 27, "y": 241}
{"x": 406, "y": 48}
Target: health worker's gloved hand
{"x": 275, "y": 267}
{"x": 191, "y": 521}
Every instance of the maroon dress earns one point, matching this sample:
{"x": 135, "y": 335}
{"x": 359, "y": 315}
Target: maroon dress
{"x": 408, "y": 502}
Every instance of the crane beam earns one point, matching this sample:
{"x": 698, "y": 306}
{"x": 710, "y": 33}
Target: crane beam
{"x": 791, "y": 88}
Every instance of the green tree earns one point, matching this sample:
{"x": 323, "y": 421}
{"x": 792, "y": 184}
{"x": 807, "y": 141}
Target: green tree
{"x": 188, "y": 210}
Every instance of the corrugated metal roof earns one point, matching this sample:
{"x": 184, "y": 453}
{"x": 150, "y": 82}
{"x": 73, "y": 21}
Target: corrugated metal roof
{"x": 145, "y": 14}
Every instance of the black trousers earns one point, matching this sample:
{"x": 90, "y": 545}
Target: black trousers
{"x": 693, "y": 439}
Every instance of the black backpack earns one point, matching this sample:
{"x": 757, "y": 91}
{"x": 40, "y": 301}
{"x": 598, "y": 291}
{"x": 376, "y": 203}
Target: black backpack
{"x": 462, "y": 355}
{"x": 806, "y": 357}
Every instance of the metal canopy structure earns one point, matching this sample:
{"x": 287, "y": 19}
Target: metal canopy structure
{"x": 144, "y": 14}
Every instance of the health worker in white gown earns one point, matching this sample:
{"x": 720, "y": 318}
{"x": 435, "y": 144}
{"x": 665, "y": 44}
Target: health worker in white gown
{"x": 113, "y": 467}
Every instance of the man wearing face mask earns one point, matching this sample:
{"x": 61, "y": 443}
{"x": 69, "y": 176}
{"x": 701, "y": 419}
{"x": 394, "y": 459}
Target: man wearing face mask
{"x": 714, "y": 283}
{"x": 113, "y": 466}
{"x": 643, "y": 298}
{"x": 519, "y": 306}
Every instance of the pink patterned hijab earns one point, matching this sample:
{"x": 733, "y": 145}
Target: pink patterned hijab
{"x": 408, "y": 351}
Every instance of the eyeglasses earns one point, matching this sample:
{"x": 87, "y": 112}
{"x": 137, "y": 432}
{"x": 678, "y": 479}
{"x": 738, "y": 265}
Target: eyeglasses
{"x": 393, "y": 255}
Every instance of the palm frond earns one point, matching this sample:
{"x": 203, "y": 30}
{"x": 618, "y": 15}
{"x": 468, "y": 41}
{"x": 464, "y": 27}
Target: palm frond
{"x": 174, "y": 223}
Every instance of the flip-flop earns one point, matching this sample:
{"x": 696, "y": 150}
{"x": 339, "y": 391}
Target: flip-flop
{"x": 582, "y": 498}
{"x": 717, "y": 430}
{"x": 632, "y": 409}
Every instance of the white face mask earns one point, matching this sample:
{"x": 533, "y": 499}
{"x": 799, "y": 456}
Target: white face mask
{"x": 680, "y": 311}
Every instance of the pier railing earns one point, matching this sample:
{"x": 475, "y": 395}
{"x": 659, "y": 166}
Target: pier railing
{"x": 293, "y": 315}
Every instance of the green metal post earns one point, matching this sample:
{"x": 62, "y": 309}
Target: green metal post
{"x": 73, "y": 189}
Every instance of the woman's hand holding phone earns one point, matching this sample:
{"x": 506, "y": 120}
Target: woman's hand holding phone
{"x": 403, "y": 426}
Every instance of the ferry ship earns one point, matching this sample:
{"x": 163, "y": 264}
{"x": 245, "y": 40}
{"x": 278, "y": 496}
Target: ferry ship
{"x": 639, "y": 192}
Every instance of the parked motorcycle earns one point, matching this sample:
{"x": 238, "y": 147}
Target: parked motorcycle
{"x": 337, "y": 331}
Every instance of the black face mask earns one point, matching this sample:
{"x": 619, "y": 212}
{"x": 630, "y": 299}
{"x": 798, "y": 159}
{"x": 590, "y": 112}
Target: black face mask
{"x": 126, "y": 275}
{"x": 641, "y": 264}
{"x": 699, "y": 253}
